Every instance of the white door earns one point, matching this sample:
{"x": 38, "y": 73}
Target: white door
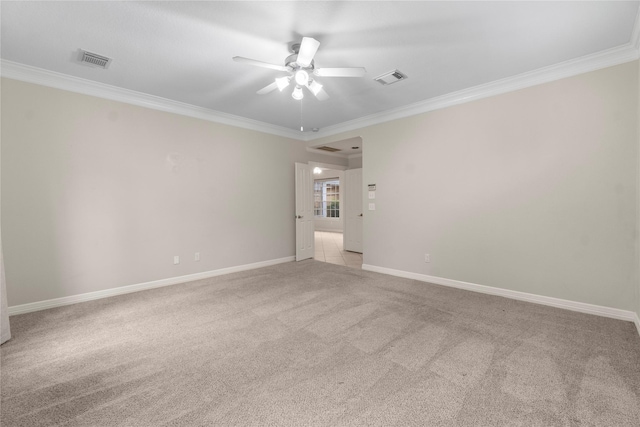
{"x": 353, "y": 215}
{"x": 304, "y": 212}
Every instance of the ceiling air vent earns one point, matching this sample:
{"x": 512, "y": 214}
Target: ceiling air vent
{"x": 95, "y": 59}
{"x": 329, "y": 149}
{"x": 390, "y": 78}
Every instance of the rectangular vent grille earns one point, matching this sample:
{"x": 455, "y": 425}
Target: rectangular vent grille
{"x": 391, "y": 77}
{"x": 329, "y": 149}
{"x": 95, "y": 59}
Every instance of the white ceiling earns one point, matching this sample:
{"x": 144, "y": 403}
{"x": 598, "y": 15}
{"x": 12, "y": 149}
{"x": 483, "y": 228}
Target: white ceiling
{"x": 182, "y": 51}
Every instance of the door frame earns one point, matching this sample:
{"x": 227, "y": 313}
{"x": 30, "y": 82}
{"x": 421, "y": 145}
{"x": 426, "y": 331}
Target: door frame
{"x": 353, "y": 214}
{"x": 305, "y": 236}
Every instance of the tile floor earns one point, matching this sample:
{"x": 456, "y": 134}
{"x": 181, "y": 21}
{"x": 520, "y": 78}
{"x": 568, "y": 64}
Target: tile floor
{"x": 329, "y": 249}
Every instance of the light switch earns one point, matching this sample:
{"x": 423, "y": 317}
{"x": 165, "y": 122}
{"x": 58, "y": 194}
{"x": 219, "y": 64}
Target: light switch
{"x": 372, "y": 194}
{"x": 372, "y": 206}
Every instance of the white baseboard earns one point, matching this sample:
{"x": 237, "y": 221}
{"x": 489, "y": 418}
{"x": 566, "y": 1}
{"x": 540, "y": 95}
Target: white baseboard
{"x": 73, "y": 299}
{"x": 581, "y": 307}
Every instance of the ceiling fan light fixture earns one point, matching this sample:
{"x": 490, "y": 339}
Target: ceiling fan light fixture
{"x": 315, "y": 87}
{"x": 282, "y": 82}
{"x": 300, "y": 67}
{"x": 302, "y": 77}
{"x": 307, "y": 50}
{"x": 297, "y": 93}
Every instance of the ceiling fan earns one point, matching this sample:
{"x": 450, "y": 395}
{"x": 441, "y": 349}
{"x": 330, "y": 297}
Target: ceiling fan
{"x": 300, "y": 66}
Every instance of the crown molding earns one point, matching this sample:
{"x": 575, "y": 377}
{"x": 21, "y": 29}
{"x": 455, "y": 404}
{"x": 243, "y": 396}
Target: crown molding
{"x": 607, "y": 58}
{"x": 635, "y": 34}
{"x": 29, "y": 74}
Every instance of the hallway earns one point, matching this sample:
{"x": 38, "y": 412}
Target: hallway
{"x": 329, "y": 249}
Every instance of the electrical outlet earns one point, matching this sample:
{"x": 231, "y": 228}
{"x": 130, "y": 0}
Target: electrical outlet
{"x": 176, "y": 259}
{"x": 427, "y": 258}
{"x": 197, "y": 256}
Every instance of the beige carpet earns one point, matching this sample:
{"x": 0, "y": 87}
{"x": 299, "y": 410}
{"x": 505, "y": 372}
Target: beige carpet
{"x": 316, "y": 344}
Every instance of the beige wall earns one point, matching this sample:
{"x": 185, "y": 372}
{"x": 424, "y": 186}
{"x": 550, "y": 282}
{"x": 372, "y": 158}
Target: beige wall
{"x": 355, "y": 162}
{"x": 99, "y": 194}
{"x": 638, "y": 213}
{"x": 532, "y": 191}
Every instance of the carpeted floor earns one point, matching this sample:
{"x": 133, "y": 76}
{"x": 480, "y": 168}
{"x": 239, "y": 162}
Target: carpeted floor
{"x": 317, "y": 344}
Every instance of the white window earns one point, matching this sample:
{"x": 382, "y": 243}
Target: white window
{"x": 326, "y": 194}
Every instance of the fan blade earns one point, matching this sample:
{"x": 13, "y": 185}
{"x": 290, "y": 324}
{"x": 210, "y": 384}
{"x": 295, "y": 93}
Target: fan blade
{"x": 340, "y": 72}
{"x": 322, "y": 95}
{"x": 268, "y": 88}
{"x": 308, "y": 49}
{"x": 248, "y": 61}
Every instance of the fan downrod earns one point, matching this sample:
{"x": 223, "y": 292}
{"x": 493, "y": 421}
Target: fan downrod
{"x": 291, "y": 60}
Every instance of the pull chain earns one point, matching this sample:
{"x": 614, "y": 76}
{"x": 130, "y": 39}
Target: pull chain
{"x": 301, "y": 127}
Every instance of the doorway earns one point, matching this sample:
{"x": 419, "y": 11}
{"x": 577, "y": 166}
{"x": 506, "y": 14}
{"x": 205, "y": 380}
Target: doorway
{"x": 330, "y": 215}
{"x": 325, "y": 241}
{"x": 329, "y": 248}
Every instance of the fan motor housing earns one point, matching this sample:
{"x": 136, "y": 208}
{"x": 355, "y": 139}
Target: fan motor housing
{"x": 291, "y": 61}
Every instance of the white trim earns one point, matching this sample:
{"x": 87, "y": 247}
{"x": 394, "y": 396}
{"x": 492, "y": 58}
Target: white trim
{"x": 581, "y": 307}
{"x": 29, "y": 74}
{"x": 606, "y": 58}
{"x": 106, "y": 293}
{"x": 637, "y": 322}
{"x": 635, "y": 34}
